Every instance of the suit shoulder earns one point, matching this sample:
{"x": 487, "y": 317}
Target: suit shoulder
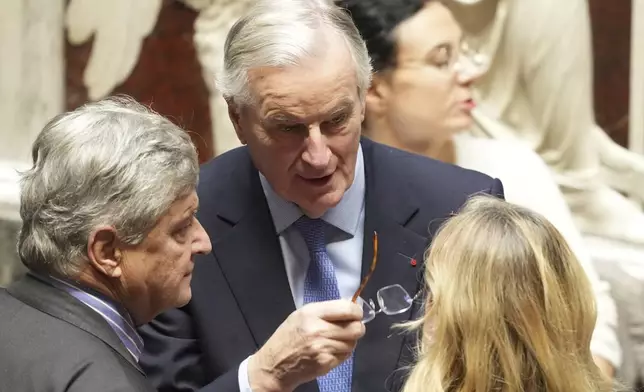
{"x": 57, "y": 353}
{"x": 224, "y": 164}
{"x": 428, "y": 172}
{"x": 49, "y": 337}
{"x": 220, "y": 174}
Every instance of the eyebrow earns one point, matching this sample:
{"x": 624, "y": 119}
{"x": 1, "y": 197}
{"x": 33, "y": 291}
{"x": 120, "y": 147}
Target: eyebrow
{"x": 192, "y": 208}
{"x": 283, "y": 116}
{"x": 188, "y": 213}
{"x": 343, "y": 106}
{"x": 441, "y": 45}
{"x": 448, "y": 43}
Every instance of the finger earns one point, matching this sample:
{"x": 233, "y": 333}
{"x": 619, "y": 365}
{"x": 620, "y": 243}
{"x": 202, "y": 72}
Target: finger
{"x": 352, "y": 330}
{"x": 342, "y": 330}
{"x": 337, "y": 348}
{"x": 337, "y": 310}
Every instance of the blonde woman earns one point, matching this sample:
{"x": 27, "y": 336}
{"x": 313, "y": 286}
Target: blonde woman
{"x": 510, "y": 308}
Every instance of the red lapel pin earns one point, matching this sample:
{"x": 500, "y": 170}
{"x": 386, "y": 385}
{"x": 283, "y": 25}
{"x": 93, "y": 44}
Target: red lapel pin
{"x": 412, "y": 261}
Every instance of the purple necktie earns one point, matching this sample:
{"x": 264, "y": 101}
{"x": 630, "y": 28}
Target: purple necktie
{"x": 321, "y": 285}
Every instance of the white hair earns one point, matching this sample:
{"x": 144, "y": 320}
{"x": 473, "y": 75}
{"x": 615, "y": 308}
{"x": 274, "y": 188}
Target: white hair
{"x": 113, "y": 162}
{"x": 280, "y": 33}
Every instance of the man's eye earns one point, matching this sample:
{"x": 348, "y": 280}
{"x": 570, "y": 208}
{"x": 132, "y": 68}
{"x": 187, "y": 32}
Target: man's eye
{"x": 181, "y": 232}
{"x": 291, "y": 128}
{"x": 337, "y": 120}
{"x": 288, "y": 128}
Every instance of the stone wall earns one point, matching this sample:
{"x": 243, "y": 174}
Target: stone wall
{"x": 10, "y": 266}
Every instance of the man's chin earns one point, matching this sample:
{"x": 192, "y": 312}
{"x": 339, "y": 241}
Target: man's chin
{"x": 321, "y": 204}
{"x": 184, "y": 297}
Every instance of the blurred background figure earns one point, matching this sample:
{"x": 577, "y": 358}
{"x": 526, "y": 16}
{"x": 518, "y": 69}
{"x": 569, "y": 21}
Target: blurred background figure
{"x": 538, "y": 90}
{"x": 420, "y": 100}
{"x": 527, "y": 317}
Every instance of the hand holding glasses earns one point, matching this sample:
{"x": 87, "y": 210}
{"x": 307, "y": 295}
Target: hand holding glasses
{"x": 392, "y": 299}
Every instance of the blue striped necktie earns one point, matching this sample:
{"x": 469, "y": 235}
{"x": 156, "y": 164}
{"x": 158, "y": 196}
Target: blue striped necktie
{"x": 321, "y": 285}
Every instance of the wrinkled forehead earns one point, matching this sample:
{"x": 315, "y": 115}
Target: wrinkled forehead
{"x": 323, "y": 79}
{"x": 304, "y": 95}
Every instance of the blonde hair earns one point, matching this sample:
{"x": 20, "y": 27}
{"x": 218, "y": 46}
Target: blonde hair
{"x": 510, "y": 308}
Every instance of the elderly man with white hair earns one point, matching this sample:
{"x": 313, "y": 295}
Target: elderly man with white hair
{"x": 108, "y": 234}
{"x": 300, "y": 216}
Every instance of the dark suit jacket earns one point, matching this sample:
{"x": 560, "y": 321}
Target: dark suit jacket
{"x": 241, "y": 292}
{"x": 49, "y": 341}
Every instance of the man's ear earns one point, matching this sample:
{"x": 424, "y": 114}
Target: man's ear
{"x": 103, "y": 253}
{"x": 235, "y": 118}
{"x": 377, "y": 94}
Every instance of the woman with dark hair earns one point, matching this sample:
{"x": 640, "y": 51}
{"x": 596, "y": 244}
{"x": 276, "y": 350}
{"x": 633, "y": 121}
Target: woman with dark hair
{"x": 420, "y": 95}
{"x": 421, "y": 101}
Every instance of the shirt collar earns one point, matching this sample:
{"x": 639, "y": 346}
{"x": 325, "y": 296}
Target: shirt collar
{"x": 345, "y": 216}
{"x": 71, "y": 285}
{"x": 116, "y": 316}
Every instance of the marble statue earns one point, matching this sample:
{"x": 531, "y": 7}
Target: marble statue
{"x": 215, "y": 18}
{"x": 539, "y": 84}
{"x": 31, "y": 93}
{"x": 118, "y": 28}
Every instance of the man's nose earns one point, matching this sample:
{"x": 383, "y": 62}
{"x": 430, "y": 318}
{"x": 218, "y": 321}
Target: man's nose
{"x": 317, "y": 153}
{"x": 201, "y": 243}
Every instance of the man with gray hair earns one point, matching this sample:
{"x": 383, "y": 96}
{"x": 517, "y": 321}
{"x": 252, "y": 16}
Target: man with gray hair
{"x": 297, "y": 215}
{"x": 108, "y": 235}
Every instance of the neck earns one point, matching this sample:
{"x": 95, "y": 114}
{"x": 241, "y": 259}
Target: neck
{"x": 443, "y": 150}
{"x": 112, "y": 289}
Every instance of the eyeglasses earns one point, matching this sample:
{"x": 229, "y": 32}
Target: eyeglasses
{"x": 372, "y": 268}
{"x": 466, "y": 62}
{"x": 392, "y": 299}
{"x": 471, "y": 62}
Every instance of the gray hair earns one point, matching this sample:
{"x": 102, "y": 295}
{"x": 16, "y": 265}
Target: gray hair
{"x": 113, "y": 162}
{"x": 280, "y": 33}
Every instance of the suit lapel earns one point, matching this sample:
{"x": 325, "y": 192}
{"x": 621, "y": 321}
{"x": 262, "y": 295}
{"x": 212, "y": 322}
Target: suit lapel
{"x": 256, "y": 273}
{"x": 57, "y": 303}
{"x": 388, "y": 210}
{"x": 255, "y": 270}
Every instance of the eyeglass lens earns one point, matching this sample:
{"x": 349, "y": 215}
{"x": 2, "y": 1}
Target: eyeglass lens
{"x": 470, "y": 61}
{"x": 392, "y": 299}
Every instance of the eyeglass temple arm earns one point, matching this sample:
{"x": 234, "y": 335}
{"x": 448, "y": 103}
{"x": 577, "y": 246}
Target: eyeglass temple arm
{"x": 371, "y": 269}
